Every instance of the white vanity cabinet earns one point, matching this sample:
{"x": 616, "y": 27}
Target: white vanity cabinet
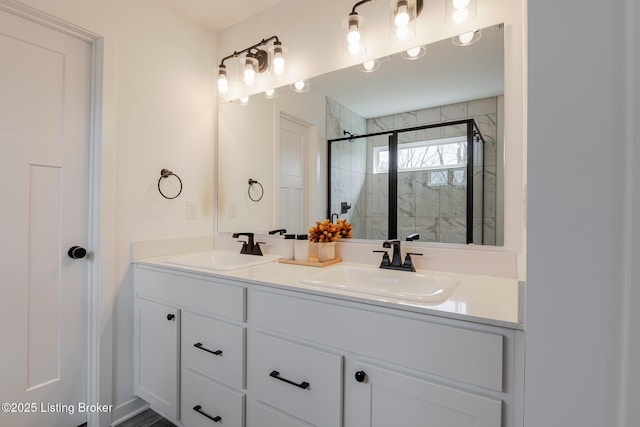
{"x": 395, "y": 367}
{"x": 212, "y": 351}
{"x": 190, "y": 368}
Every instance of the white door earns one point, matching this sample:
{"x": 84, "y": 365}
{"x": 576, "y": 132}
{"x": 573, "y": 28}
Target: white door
{"x": 44, "y": 128}
{"x": 292, "y": 195}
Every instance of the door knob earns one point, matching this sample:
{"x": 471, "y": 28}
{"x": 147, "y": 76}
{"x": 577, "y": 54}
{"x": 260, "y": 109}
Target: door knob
{"x": 77, "y": 252}
{"x": 361, "y": 376}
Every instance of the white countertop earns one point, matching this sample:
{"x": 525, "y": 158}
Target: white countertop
{"x": 481, "y": 299}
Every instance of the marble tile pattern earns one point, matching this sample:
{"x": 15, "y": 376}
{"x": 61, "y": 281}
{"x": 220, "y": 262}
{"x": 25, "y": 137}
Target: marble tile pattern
{"x": 436, "y": 212}
{"x": 348, "y": 166}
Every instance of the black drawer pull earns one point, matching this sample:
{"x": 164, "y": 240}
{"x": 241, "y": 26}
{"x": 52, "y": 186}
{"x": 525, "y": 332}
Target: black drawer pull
{"x": 199, "y": 346}
{"x": 276, "y": 375}
{"x": 199, "y": 410}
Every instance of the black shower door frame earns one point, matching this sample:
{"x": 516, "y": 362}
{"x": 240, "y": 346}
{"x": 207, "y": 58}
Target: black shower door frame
{"x": 473, "y": 136}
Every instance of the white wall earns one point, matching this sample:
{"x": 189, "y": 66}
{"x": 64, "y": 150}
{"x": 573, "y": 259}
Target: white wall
{"x": 247, "y": 141}
{"x": 633, "y": 291}
{"x": 158, "y": 112}
{"x": 580, "y": 241}
{"x": 298, "y": 24}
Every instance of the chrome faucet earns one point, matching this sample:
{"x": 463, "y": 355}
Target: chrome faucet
{"x": 395, "y": 262}
{"x": 249, "y": 247}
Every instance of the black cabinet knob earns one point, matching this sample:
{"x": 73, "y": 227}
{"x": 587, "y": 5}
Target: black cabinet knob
{"x": 361, "y": 376}
{"x": 77, "y": 252}
{"x": 171, "y": 316}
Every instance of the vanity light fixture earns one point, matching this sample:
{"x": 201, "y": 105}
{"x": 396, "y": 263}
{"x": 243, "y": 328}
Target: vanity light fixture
{"x": 250, "y": 69}
{"x": 270, "y": 93}
{"x": 403, "y": 16}
{"x": 404, "y": 13}
{"x": 256, "y": 60}
{"x": 369, "y": 66}
{"x": 278, "y": 58}
{"x": 466, "y": 39}
{"x": 413, "y": 53}
{"x": 460, "y": 11}
{"x": 244, "y": 100}
{"x": 354, "y": 36}
{"x": 223, "y": 84}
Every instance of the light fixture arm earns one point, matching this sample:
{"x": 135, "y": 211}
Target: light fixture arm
{"x": 419, "y": 6}
{"x": 361, "y": 2}
{"x": 262, "y": 42}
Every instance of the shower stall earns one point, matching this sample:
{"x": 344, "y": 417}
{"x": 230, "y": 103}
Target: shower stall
{"x": 424, "y": 180}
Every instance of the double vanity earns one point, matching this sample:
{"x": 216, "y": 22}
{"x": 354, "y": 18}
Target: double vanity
{"x": 228, "y": 339}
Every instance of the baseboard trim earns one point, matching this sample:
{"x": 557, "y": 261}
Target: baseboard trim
{"x": 128, "y": 410}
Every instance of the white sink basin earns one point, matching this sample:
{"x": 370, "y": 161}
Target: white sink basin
{"x": 390, "y": 284}
{"x": 220, "y": 260}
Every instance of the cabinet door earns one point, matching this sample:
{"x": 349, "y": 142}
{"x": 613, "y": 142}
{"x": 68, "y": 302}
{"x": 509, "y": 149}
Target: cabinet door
{"x": 156, "y": 355}
{"x": 386, "y": 398}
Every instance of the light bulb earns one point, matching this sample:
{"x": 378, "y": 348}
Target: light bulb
{"x": 278, "y": 65}
{"x": 270, "y": 93}
{"x": 402, "y": 15}
{"x": 355, "y": 48}
{"x": 299, "y": 85}
{"x": 466, "y": 37}
{"x": 403, "y": 33}
{"x": 460, "y": 4}
{"x": 223, "y": 84}
{"x": 244, "y": 100}
{"x": 278, "y": 58}
{"x": 354, "y": 35}
{"x": 459, "y": 16}
{"x": 249, "y": 73}
{"x": 413, "y": 52}
{"x": 368, "y": 65}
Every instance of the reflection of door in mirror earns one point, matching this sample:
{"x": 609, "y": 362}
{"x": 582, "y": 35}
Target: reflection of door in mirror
{"x": 293, "y": 177}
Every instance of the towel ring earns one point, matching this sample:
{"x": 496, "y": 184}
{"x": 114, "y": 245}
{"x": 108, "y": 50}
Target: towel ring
{"x": 251, "y": 182}
{"x": 166, "y": 173}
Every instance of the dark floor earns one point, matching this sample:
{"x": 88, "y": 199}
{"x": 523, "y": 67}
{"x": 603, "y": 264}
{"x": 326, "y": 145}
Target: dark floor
{"x": 147, "y": 418}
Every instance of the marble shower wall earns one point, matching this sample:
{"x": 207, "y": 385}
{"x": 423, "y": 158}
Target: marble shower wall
{"x": 348, "y": 165}
{"x": 437, "y": 213}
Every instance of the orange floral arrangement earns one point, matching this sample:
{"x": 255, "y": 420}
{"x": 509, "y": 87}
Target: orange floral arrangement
{"x": 345, "y": 228}
{"x": 326, "y": 231}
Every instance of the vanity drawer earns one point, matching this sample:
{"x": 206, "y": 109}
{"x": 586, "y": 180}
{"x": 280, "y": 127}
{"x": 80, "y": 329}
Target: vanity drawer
{"x": 212, "y": 296}
{"x": 259, "y": 415}
{"x": 214, "y": 348}
{"x": 296, "y": 379}
{"x": 465, "y": 355}
{"x": 203, "y": 401}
